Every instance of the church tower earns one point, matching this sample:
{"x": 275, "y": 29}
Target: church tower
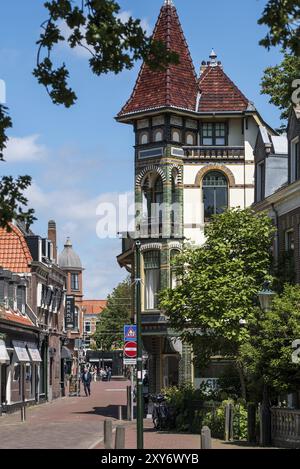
{"x": 194, "y": 142}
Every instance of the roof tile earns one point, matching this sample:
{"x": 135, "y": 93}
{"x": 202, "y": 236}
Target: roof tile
{"x": 14, "y": 252}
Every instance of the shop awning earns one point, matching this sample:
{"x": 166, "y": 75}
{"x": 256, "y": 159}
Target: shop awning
{"x": 4, "y": 357}
{"x": 66, "y": 353}
{"x": 34, "y": 353}
{"x": 21, "y": 352}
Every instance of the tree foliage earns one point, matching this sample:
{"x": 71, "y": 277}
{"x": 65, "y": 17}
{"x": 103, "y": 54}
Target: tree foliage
{"x": 267, "y": 355}
{"x": 278, "y": 81}
{"x": 282, "y": 17}
{"x": 218, "y": 282}
{"x": 95, "y": 25}
{"x": 114, "y": 45}
{"x": 109, "y": 331}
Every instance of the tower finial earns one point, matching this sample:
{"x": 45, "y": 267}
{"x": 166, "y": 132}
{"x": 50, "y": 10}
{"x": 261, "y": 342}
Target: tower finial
{"x": 213, "y": 58}
{"x": 169, "y": 2}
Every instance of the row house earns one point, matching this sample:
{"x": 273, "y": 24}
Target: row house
{"x": 194, "y": 157}
{"x": 91, "y": 311}
{"x": 281, "y": 198}
{"x": 32, "y": 320}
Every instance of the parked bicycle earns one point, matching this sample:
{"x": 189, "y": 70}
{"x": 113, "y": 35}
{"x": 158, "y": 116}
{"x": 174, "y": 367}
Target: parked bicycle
{"x": 163, "y": 416}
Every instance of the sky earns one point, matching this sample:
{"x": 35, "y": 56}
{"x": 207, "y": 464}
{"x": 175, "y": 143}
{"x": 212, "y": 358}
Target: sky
{"x": 80, "y": 157}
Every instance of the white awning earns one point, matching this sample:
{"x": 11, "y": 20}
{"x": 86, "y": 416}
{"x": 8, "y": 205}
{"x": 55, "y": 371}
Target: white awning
{"x": 34, "y": 353}
{"x": 21, "y": 352}
{"x": 4, "y": 357}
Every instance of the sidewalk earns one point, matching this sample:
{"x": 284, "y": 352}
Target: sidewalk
{"x": 77, "y": 423}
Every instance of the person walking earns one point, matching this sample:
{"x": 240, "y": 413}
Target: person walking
{"x": 109, "y": 373}
{"x": 86, "y": 379}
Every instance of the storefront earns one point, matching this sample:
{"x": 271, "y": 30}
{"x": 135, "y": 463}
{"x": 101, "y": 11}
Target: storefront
{"x": 4, "y": 361}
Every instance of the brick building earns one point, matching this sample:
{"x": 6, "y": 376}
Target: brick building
{"x": 91, "y": 310}
{"x": 33, "y": 291}
{"x": 194, "y": 157}
{"x": 283, "y": 206}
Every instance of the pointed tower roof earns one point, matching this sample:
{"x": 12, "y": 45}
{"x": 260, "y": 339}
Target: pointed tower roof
{"x": 218, "y": 92}
{"x": 68, "y": 259}
{"x": 174, "y": 87}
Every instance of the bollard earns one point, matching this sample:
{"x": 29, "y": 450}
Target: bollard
{"x": 251, "y": 423}
{"x": 120, "y": 413}
{"x": 23, "y": 413}
{"x": 205, "y": 438}
{"x": 108, "y": 434}
{"x": 120, "y": 437}
{"x": 129, "y": 417}
{"x": 228, "y": 422}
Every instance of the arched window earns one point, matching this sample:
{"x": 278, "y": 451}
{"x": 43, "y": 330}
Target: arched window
{"x": 158, "y": 136}
{"x": 173, "y": 274}
{"x": 176, "y": 136}
{"x": 215, "y": 194}
{"x": 152, "y": 190}
{"x": 152, "y": 279}
{"x": 175, "y": 207}
{"x": 189, "y": 139}
{"x": 144, "y": 138}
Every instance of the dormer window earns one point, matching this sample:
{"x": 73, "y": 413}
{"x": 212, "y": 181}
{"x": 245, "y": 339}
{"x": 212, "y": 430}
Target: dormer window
{"x": 144, "y": 138}
{"x": 214, "y": 133}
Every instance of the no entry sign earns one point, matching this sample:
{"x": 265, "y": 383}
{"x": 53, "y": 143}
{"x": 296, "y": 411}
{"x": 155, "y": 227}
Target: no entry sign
{"x": 130, "y": 349}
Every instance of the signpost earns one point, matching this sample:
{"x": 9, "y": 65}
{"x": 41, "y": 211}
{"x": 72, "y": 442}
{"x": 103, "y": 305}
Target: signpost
{"x": 130, "y": 353}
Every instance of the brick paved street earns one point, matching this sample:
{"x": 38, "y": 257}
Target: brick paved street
{"x": 77, "y": 422}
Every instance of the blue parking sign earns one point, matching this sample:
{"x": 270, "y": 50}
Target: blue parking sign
{"x": 130, "y": 333}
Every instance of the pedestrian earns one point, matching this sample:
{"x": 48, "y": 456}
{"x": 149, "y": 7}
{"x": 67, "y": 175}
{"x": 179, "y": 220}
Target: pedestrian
{"x": 109, "y": 373}
{"x": 86, "y": 379}
{"x": 95, "y": 374}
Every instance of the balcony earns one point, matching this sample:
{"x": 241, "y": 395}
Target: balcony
{"x": 214, "y": 153}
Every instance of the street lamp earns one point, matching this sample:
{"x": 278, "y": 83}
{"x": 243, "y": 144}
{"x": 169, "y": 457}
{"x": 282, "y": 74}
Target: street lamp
{"x": 266, "y": 296}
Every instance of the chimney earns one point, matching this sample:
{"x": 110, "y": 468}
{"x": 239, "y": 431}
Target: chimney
{"x": 52, "y": 237}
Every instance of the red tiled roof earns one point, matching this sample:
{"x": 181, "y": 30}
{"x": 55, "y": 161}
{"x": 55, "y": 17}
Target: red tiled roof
{"x": 174, "y": 87}
{"x": 14, "y": 252}
{"x": 93, "y": 306}
{"x": 14, "y": 316}
{"x": 219, "y": 93}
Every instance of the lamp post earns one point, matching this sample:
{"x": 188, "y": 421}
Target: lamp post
{"x": 140, "y": 406}
{"x": 265, "y": 296}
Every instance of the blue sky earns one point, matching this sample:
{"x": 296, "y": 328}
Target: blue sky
{"x": 81, "y": 156}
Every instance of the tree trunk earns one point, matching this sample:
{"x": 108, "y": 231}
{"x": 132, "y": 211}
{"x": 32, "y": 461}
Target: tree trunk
{"x": 242, "y": 380}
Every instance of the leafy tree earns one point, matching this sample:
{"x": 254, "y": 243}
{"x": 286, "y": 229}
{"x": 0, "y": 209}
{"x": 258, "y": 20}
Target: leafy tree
{"x": 278, "y": 82}
{"x": 282, "y": 17}
{"x": 218, "y": 283}
{"x": 114, "y": 45}
{"x": 267, "y": 355}
{"x": 109, "y": 331}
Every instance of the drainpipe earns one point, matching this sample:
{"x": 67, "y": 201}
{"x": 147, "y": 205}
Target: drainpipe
{"x": 276, "y": 240}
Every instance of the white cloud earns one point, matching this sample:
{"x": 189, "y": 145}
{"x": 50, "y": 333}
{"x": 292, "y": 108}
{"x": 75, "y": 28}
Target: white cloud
{"x": 125, "y": 15}
{"x": 75, "y": 214}
{"x": 21, "y": 149}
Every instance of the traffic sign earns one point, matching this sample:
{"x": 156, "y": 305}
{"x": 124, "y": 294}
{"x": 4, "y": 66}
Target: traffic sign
{"x": 129, "y": 361}
{"x": 130, "y": 349}
{"x": 130, "y": 333}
